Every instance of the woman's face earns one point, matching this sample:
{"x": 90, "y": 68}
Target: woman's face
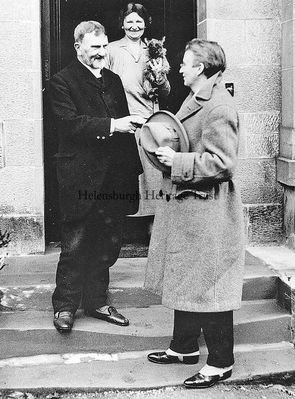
{"x": 133, "y": 26}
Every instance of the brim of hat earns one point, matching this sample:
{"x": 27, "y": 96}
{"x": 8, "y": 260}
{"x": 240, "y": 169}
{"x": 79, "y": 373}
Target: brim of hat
{"x": 164, "y": 116}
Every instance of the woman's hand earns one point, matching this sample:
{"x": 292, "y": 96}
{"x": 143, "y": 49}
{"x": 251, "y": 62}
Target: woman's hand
{"x": 165, "y": 155}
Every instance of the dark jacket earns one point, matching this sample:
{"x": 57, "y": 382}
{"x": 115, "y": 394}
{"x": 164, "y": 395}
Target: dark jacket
{"x": 82, "y": 108}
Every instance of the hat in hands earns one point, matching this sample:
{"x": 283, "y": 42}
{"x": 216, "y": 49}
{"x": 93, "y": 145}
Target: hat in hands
{"x": 160, "y": 130}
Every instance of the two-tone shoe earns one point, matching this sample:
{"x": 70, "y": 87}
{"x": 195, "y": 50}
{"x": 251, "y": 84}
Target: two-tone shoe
{"x": 163, "y": 358}
{"x": 63, "y": 321}
{"x": 200, "y": 381}
{"x": 112, "y": 316}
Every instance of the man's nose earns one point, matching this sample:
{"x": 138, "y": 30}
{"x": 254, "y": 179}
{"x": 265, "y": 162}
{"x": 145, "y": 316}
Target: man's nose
{"x": 102, "y": 52}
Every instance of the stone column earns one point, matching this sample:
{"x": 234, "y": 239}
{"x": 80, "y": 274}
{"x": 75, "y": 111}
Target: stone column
{"x": 286, "y": 161}
{"x": 21, "y": 149}
{"x": 250, "y": 31}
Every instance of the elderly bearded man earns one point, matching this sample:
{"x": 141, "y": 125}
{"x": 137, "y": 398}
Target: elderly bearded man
{"x": 97, "y": 153}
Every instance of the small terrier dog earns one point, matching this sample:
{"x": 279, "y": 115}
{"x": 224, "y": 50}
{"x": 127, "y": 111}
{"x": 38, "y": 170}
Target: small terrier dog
{"x": 153, "y": 76}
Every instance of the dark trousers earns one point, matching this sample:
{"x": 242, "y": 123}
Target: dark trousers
{"x": 88, "y": 248}
{"x": 218, "y": 333}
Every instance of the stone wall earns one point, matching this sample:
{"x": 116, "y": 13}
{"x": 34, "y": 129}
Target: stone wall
{"x": 248, "y": 30}
{"x": 250, "y": 33}
{"x": 21, "y": 153}
{"x": 286, "y": 161}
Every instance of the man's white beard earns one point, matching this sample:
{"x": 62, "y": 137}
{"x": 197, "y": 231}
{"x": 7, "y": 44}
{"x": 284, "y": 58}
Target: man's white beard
{"x": 98, "y": 64}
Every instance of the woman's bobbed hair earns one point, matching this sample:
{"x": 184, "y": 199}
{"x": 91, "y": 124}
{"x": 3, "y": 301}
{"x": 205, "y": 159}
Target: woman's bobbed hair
{"x": 139, "y": 9}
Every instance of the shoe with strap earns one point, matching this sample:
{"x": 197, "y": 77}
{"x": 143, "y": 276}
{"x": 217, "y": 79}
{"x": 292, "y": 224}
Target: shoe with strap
{"x": 201, "y": 381}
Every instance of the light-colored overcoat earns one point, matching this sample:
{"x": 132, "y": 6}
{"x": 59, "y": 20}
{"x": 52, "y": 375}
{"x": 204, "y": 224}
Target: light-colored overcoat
{"x": 196, "y": 253}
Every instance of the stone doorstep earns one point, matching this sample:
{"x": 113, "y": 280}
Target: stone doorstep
{"x": 38, "y": 264}
{"x": 281, "y": 260}
{"x": 125, "y": 291}
{"x": 257, "y": 322}
{"x": 28, "y": 282}
{"x": 86, "y": 372}
{"x": 253, "y": 361}
{"x": 87, "y": 357}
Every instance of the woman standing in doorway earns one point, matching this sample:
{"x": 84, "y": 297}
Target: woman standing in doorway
{"x": 128, "y": 58}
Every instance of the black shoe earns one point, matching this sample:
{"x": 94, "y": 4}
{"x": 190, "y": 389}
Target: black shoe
{"x": 163, "y": 358}
{"x": 200, "y": 381}
{"x": 63, "y": 321}
{"x": 113, "y": 317}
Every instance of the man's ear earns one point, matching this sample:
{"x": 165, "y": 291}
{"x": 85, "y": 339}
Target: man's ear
{"x": 201, "y": 68}
{"x": 77, "y": 46}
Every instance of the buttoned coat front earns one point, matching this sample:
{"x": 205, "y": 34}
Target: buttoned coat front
{"x": 196, "y": 253}
{"x": 82, "y": 107}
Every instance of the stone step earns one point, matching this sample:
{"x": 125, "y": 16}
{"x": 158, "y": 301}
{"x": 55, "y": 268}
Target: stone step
{"x": 90, "y": 372}
{"x": 97, "y": 355}
{"x": 27, "y": 282}
{"x": 282, "y": 261}
{"x": 32, "y": 333}
{"x": 38, "y": 297}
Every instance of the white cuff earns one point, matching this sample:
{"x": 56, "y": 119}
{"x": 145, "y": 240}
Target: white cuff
{"x": 113, "y": 125}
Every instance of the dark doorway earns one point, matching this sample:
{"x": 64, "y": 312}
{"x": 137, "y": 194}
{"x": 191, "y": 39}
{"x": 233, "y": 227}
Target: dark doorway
{"x": 174, "y": 19}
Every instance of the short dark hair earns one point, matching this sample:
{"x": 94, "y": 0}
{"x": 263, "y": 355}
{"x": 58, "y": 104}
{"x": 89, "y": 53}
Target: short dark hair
{"x": 209, "y": 53}
{"x": 139, "y": 9}
{"x": 88, "y": 27}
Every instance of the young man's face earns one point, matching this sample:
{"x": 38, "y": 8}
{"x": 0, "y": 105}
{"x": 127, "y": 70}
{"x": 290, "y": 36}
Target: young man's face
{"x": 92, "y": 50}
{"x": 189, "y": 69}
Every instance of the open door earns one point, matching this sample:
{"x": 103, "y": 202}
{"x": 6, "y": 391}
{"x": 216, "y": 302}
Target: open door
{"x": 174, "y": 19}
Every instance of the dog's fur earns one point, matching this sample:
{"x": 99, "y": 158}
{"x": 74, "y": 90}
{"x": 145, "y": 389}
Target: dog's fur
{"x": 156, "y": 51}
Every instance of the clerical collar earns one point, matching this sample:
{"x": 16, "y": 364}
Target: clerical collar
{"x": 95, "y": 72}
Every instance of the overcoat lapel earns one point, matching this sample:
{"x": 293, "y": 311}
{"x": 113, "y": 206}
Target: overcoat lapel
{"x": 194, "y": 102}
{"x": 189, "y": 108}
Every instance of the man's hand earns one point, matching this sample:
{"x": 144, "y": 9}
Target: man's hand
{"x": 128, "y": 124}
{"x": 124, "y": 125}
{"x": 165, "y": 155}
{"x": 137, "y": 120}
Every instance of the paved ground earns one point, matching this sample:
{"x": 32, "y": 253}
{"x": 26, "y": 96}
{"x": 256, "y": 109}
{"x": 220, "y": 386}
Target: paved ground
{"x": 257, "y": 391}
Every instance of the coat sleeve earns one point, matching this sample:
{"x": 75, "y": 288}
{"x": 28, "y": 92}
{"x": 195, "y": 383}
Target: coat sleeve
{"x": 217, "y": 161}
{"x": 78, "y": 128}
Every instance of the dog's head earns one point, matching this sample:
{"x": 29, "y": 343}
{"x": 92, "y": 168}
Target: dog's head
{"x": 156, "y": 48}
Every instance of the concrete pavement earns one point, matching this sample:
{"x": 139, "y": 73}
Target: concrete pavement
{"x": 98, "y": 355}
